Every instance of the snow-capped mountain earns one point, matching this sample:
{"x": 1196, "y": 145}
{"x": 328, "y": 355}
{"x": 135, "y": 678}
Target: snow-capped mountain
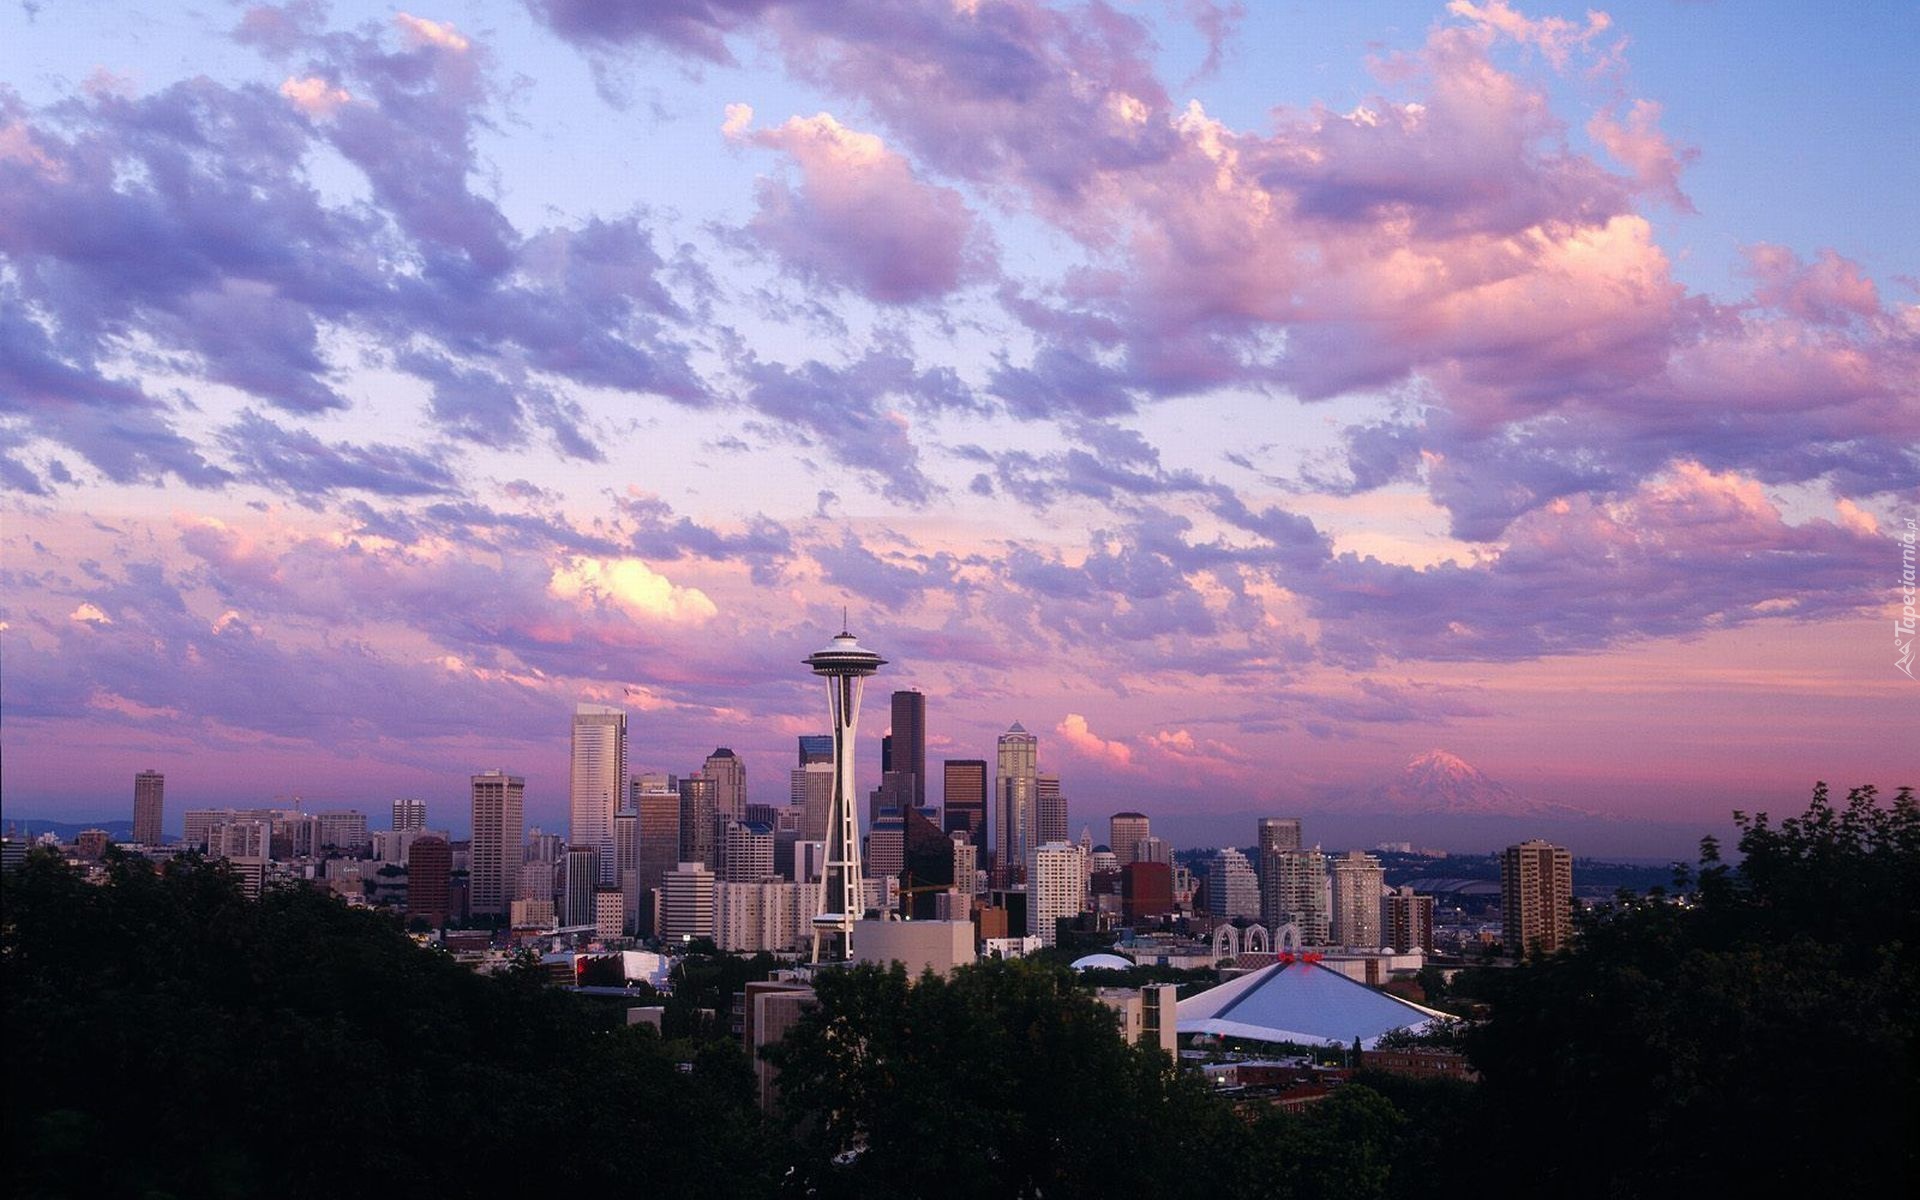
{"x": 1442, "y": 782}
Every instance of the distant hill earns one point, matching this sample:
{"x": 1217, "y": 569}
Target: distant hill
{"x": 33, "y": 827}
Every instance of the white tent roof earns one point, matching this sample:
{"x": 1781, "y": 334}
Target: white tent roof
{"x": 1301, "y": 1001}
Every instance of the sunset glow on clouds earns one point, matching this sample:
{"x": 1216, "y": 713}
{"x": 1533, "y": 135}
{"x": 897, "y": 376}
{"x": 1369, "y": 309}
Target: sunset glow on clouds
{"x": 374, "y": 386}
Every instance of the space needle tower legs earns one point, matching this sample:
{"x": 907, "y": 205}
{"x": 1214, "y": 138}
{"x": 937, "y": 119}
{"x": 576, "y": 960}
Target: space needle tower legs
{"x": 845, "y": 667}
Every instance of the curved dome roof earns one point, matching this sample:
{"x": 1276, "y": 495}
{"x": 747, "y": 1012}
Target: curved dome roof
{"x": 1102, "y": 962}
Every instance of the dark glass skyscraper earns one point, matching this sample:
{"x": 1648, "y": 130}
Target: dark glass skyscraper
{"x": 965, "y": 799}
{"x": 909, "y": 755}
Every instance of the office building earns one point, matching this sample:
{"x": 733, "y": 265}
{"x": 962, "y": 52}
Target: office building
{"x": 964, "y": 798}
{"x": 747, "y": 855}
{"x": 596, "y": 779}
{"x": 579, "y": 880}
{"x": 909, "y": 741}
{"x": 697, "y": 813}
{"x": 409, "y": 816}
{"x": 1051, "y": 809}
{"x": 1408, "y": 920}
{"x": 816, "y": 748}
{"x": 886, "y": 846}
{"x": 344, "y": 830}
{"x": 609, "y": 913}
{"x": 1233, "y": 890}
{"x": 91, "y": 844}
{"x": 1146, "y": 892}
{"x": 430, "y": 879}
{"x": 811, "y": 791}
{"x": 538, "y": 881}
{"x": 1056, "y": 890}
{"x": 498, "y": 827}
{"x": 1536, "y": 897}
{"x": 1015, "y": 785}
{"x": 149, "y": 807}
{"x": 729, "y": 774}
{"x": 544, "y": 847}
{"x": 1125, "y": 832}
{"x": 686, "y": 902}
{"x": 626, "y": 861}
{"x": 1358, "y": 884}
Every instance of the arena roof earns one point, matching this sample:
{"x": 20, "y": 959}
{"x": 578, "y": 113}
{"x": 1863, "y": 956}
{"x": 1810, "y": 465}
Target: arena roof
{"x": 1298, "y": 1000}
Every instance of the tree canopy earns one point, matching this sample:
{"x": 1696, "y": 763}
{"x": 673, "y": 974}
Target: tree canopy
{"x": 169, "y": 1037}
{"x": 1759, "y": 1033}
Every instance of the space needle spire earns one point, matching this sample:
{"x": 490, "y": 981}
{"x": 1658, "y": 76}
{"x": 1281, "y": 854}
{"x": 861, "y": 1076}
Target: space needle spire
{"x": 845, "y": 666}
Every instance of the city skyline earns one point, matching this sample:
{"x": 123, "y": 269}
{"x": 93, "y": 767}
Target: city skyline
{"x": 1245, "y": 403}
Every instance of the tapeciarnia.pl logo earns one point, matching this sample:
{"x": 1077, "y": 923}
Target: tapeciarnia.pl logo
{"x": 1903, "y": 628}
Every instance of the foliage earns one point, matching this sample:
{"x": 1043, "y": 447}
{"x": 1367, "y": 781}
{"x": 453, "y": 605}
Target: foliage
{"x": 1675, "y": 1041}
{"x": 1002, "y": 1080}
{"x": 169, "y": 1037}
{"x": 1342, "y": 1146}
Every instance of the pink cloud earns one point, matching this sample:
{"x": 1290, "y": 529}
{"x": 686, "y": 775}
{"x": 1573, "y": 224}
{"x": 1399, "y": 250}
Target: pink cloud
{"x": 1638, "y": 143}
{"x": 860, "y": 216}
{"x": 1075, "y": 732}
{"x": 1830, "y": 290}
{"x": 1555, "y": 37}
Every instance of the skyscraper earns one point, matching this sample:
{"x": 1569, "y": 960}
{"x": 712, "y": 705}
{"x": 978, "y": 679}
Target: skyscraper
{"x": 1057, "y": 889}
{"x": 1051, "y": 805}
{"x": 1278, "y": 833}
{"x": 1125, "y": 832}
{"x": 1359, "y": 882}
{"x": 816, "y": 748}
{"x": 749, "y": 853}
{"x": 409, "y": 816}
{"x": 1276, "y": 836}
{"x": 964, "y": 798}
{"x": 1300, "y": 894}
{"x": 729, "y": 774}
{"x": 697, "y": 814}
{"x": 910, "y": 742}
{"x": 498, "y": 827}
{"x": 1536, "y": 897}
{"x": 429, "y": 879}
{"x": 811, "y": 791}
{"x": 686, "y": 902}
{"x": 626, "y": 862}
{"x": 1232, "y": 888}
{"x": 596, "y": 781}
{"x": 1015, "y": 790}
{"x": 582, "y": 871}
{"x": 657, "y": 804}
{"x": 149, "y": 805}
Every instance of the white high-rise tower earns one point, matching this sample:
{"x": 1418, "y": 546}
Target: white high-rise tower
{"x": 597, "y": 781}
{"x": 1016, "y": 785}
{"x": 845, "y": 667}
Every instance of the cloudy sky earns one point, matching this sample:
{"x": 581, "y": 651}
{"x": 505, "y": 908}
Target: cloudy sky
{"x": 1244, "y": 398}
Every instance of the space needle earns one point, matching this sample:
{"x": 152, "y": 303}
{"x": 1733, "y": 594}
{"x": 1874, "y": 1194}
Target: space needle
{"x": 845, "y": 666}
